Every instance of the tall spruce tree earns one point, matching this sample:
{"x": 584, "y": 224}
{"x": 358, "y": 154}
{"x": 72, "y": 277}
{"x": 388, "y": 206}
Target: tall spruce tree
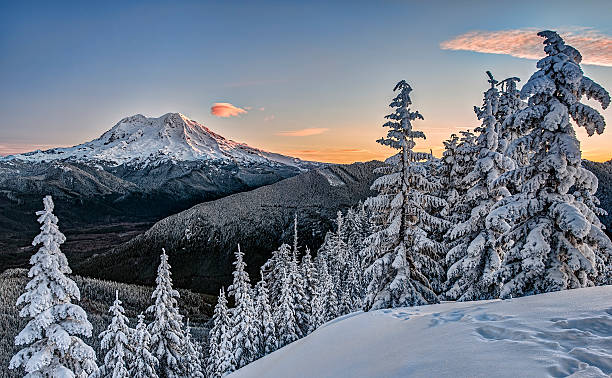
{"x": 53, "y": 346}
{"x": 406, "y": 271}
{"x": 116, "y": 340}
{"x": 167, "y": 327}
{"x": 550, "y": 229}
{"x": 284, "y": 316}
{"x": 265, "y": 320}
{"x": 245, "y": 339}
{"x": 474, "y": 260}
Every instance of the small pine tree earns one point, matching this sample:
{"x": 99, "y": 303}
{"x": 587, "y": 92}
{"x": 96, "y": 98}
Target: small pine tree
{"x": 265, "y": 320}
{"x": 245, "y": 334}
{"x": 550, "y": 230}
{"x": 284, "y": 316}
{"x": 167, "y": 327}
{"x": 220, "y": 354}
{"x": 53, "y": 347}
{"x": 116, "y": 339}
{"x": 273, "y": 271}
{"x": 192, "y": 360}
{"x": 310, "y": 282}
{"x": 144, "y": 364}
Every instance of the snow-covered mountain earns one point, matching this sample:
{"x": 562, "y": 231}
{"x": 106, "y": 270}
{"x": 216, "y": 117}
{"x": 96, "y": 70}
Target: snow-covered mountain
{"x": 139, "y": 140}
{"x": 141, "y": 170}
{"x": 561, "y": 334}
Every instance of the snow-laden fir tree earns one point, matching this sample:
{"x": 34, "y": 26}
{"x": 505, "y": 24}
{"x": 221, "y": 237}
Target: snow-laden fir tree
{"x": 143, "y": 364}
{"x": 406, "y": 271}
{"x": 53, "y": 347}
{"x": 265, "y": 320}
{"x": 273, "y": 271}
{"x": 474, "y": 260}
{"x": 246, "y": 336}
{"x": 284, "y": 315}
{"x": 508, "y": 104}
{"x": 328, "y": 293}
{"x": 220, "y": 360}
{"x": 458, "y": 159}
{"x": 551, "y": 232}
{"x": 116, "y": 341}
{"x": 310, "y": 282}
{"x": 301, "y": 303}
{"x": 192, "y": 360}
{"x": 167, "y": 327}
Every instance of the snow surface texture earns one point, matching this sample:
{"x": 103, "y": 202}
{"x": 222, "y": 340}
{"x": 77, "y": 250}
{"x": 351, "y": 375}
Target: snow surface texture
{"x": 548, "y": 335}
{"x": 138, "y": 140}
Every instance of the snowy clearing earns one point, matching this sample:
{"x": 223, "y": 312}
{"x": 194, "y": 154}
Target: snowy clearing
{"x": 554, "y": 334}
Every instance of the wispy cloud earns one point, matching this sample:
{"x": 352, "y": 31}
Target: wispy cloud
{"x": 269, "y": 118}
{"x": 595, "y": 46}
{"x": 225, "y": 110}
{"x": 303, "y": 132}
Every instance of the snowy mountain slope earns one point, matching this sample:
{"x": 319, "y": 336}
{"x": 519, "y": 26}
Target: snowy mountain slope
{"x": 559, "y": 334}
{"x": 201, "y": 240}
{"x": 139, "y": 140}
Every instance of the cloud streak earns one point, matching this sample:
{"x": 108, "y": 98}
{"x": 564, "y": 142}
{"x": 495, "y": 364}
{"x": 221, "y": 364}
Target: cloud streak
{"x": 303, "y": 132}
{"x": 595, "y": 46}
{"x": 225, "y": 110}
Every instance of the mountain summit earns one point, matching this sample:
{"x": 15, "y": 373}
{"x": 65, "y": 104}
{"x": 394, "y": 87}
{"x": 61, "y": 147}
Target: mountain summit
{"x": 139, "y": 140}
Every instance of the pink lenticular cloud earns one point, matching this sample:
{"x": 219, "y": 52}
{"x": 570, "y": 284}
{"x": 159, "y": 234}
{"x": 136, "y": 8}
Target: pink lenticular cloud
{"x": 595, "y": 47}
{"x": 303, "y": 132}
{"x": 225, "y": 110}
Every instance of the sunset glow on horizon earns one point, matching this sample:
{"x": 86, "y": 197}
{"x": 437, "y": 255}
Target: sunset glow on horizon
{"x": 312, "y": 81}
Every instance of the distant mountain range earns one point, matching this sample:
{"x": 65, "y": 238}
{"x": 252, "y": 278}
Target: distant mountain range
{"x": 206, "y": 193}
{"x": 139, "y": 171}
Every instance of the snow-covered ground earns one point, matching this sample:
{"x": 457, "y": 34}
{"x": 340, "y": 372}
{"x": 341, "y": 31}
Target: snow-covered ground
{"x": 558, "y": 334}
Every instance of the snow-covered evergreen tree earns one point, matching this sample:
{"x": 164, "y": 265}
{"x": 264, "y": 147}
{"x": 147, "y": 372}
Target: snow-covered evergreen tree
{"x": 284, "y": 316}
{"x": 474, "y": 260}
{"x": 310, "y": 282}
{"x": 167, "y": 327}
{"x": 192, "y": 360}
{"x": 245, "y": 334}
{"x": 406, "y": 270}
{"x": 551, "y": 232}
{"x": 458, "y": 159}
{"x": 116, "y": 340}
{"x": 273, "y": 271}
{"x": 53, "y": 347}
{"x": 265, "y": 320}
{"x": 220, "y": 360}
{"x": 143, "y": 364}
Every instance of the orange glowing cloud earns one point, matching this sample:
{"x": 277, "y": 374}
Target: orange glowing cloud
{"x": 225, "y": 110}
{"x": 595, "y": 47}
{"x": 303, "y": 132}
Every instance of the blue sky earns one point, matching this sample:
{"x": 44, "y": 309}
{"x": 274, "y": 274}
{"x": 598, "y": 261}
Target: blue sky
{"x": 69, "y": 71}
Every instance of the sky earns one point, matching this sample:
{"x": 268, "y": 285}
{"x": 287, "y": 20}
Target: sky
{"x": 307, "y": 79}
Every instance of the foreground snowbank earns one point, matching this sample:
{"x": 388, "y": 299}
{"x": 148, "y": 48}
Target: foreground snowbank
{"x": 555, "y": 334}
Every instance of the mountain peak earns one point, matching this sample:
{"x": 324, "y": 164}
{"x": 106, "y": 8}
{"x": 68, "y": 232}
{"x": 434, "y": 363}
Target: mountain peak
{"x": 141, "y": 140}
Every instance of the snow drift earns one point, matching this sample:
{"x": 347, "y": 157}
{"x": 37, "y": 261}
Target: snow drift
{"x": 555, "y": 334}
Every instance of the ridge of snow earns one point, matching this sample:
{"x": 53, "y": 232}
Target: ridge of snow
{"x": 139, "y": 140}
{"x": 554, "y": 334}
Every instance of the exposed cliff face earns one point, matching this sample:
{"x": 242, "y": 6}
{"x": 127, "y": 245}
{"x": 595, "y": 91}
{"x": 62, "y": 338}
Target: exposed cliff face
{"x": 201, "y": 240}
